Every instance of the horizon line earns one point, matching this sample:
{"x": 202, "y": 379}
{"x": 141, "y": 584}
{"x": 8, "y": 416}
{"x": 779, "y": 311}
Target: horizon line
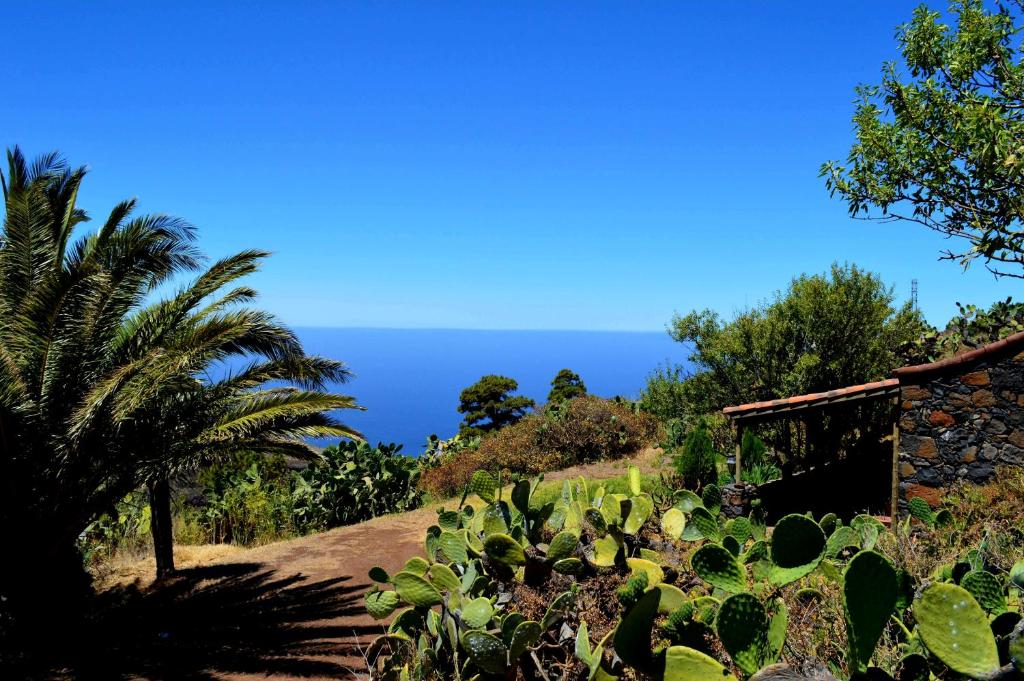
{"x": 466, "y": 328}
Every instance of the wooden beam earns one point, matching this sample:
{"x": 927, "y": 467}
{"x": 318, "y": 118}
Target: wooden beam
{"x": 739, "y": 448}
{"x": 895, "y": 466}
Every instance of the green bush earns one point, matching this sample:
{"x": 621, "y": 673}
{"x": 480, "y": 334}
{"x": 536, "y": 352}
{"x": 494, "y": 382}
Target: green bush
{"x": 664, "y": 395}
{"x": 248, "y": 506}
{"x": 353, "y": 482}
{"x": 695, "y": 461}
{"x": 752, "y": 449}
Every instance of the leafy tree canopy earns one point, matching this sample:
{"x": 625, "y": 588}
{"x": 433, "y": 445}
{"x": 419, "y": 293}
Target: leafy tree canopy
{"x": 825, "y": 331}
{"x": 566, "y": 385}
{"x": 939, "y": 141}
{"x": 489, "y": 405}
{"x": 971, "y": 328}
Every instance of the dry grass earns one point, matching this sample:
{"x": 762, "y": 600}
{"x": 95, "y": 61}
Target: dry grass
{"x": 125, "y": 569}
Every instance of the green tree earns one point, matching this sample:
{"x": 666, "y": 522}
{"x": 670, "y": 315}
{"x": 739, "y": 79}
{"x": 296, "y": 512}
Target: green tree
{"x": 489, "y": 405}
{"x": 104, "y": 388}
{"x": 823, "y": 332}
{"x": 939, "y": 141}
{"x": 695, "y": 462}
{"x": 566, "y": 385}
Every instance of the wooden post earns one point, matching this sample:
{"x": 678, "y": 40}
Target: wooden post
{"x": 739, "y": 447}
{"x": 895, "y": 466}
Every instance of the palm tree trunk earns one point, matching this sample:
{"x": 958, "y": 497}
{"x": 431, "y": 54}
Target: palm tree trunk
{"x": 160, "y": 525}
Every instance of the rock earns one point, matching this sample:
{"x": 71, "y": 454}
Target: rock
{"x": 983, "y": 398}
{"x": 980, "y": 472}
{"x": 989, "y": 451}
{"x": 914, "y": 393}
{"x": 907, "y": 469}
{"x": 941, "y": 419}
{"x": 933, "y": 495}
{"x": 919, "y": 446}
{"x": 1016, "y": 438}
{"x": 996, "y": 427}
{"x": 976, "y": 378}
{"x": 969, "y": 455}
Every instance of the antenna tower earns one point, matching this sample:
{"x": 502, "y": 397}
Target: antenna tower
{"x": 913, "y": 293}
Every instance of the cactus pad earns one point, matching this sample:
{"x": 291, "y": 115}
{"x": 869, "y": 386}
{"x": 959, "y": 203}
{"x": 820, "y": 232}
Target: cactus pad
{"x": 486, "y": 651}
{"x": 829, "y": 522}
{"x": 416, "y": 565}
{"x": 672, "y": 598}
{"x": 655, "y": 575}
{"x": 525, "y": 635}
{"x": 955, "y": 629}
{"x": 640, "y": 510}
{"x": 687, "y": 664}
{"x": 606, "y": 549}
{"x": 711, "y": 496}
{"x": 739, "y": 528}
{"x": 742, "y": 626}
{"x": 986, "y": 589}
{"x": 557, "y": 609}
{"x": 568, "y": 566}
{"x": 453, "y": 546}
{"x": 1016, "y": 648}
{"x": 415, "y": 590}
{"x": 798, "y": 545}
{"x": 686, "y": 501}
{"x": 1017, "y": 574}
{"x": 673, "y": 523}
{"x": 633, "y": 473}
{"x": 442, "y": 577}
{"x": 716, "y": 566}
{"x": 706, "y": 524}
{"x": 504, "y": 549}
{"x": 483, "y": 485}
{"x": 920, "y": 510}
{"x": 731, "y": 544}
{"x": 380, "y": 604}
{"x": 379, "y": 574}
{"x": 521, "y": 496}
{"x": 633, "y": 635}
{"x": 596, "y": 520}
{"x": 477, "y": 613}
{"x": 562, "y": 546}
{"x": 842, "y": 538}
{"x": 870, "y": 589}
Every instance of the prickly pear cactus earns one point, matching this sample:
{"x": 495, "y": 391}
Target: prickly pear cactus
{"x": 920, "y": 510}
{"x": 986, "y": 589}
{"x": 633, "y": 634}
{"x": 485, "y": 650}
{"x": 504, "y": 549}
{"x": 640, "y": 510}
{"x": 870, "y": 590}
{"x": 798, "y": 545}
{"x": 955, "y": 629}
{"x": 716, "y": 566}
{"x": 673, "y": 523}
{"x": 711, "y": 496}
{"x": 415, "y": 590}
{"x": 687, "y": 664}
{"x": 742, "y": 626}
{"x": 483, "y": 485}
{"x": 706, "y": 523}
{"x": 562, "y": 546}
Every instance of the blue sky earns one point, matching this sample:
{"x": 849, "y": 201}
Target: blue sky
{"x": 480, "y": 165}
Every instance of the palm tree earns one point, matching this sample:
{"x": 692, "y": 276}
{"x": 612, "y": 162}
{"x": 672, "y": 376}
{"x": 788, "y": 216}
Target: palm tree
{"x": 102, "y": 388}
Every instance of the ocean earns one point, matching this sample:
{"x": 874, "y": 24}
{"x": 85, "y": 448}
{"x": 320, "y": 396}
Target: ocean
{"x": 409, "y": 380}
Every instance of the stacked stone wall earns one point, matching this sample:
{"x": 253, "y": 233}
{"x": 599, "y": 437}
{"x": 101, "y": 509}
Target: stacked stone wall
{"x": 961, "y": 425}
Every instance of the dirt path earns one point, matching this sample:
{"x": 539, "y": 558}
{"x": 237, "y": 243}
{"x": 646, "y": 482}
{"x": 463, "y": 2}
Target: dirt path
{"x": 287, "y": 610}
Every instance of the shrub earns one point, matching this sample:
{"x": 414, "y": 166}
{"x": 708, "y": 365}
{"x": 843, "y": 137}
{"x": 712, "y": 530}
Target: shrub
{"x": 246, "y": 507}
{"x": 352, "y": 482}
{"x": 695, "y": 462}
{"x": 563, "y": 434}
{"x": 664, "y": 395}
{"x": 752, "y": 449}
{"x": 578, "y": 431}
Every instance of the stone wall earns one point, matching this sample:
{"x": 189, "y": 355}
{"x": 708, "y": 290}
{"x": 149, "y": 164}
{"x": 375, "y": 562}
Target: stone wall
{"x": 960, "y": 423}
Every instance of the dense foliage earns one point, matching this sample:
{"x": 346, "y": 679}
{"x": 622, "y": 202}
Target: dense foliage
{"x": 353, "y": 481}
{"x": 566, "y": 385}
{"x": 938, "y": 141}
{"x": 489, "y": 405}
{"x": 824, "y": 331}
{"x": 562, "y": 434}
{"x": 600, "y": 585}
